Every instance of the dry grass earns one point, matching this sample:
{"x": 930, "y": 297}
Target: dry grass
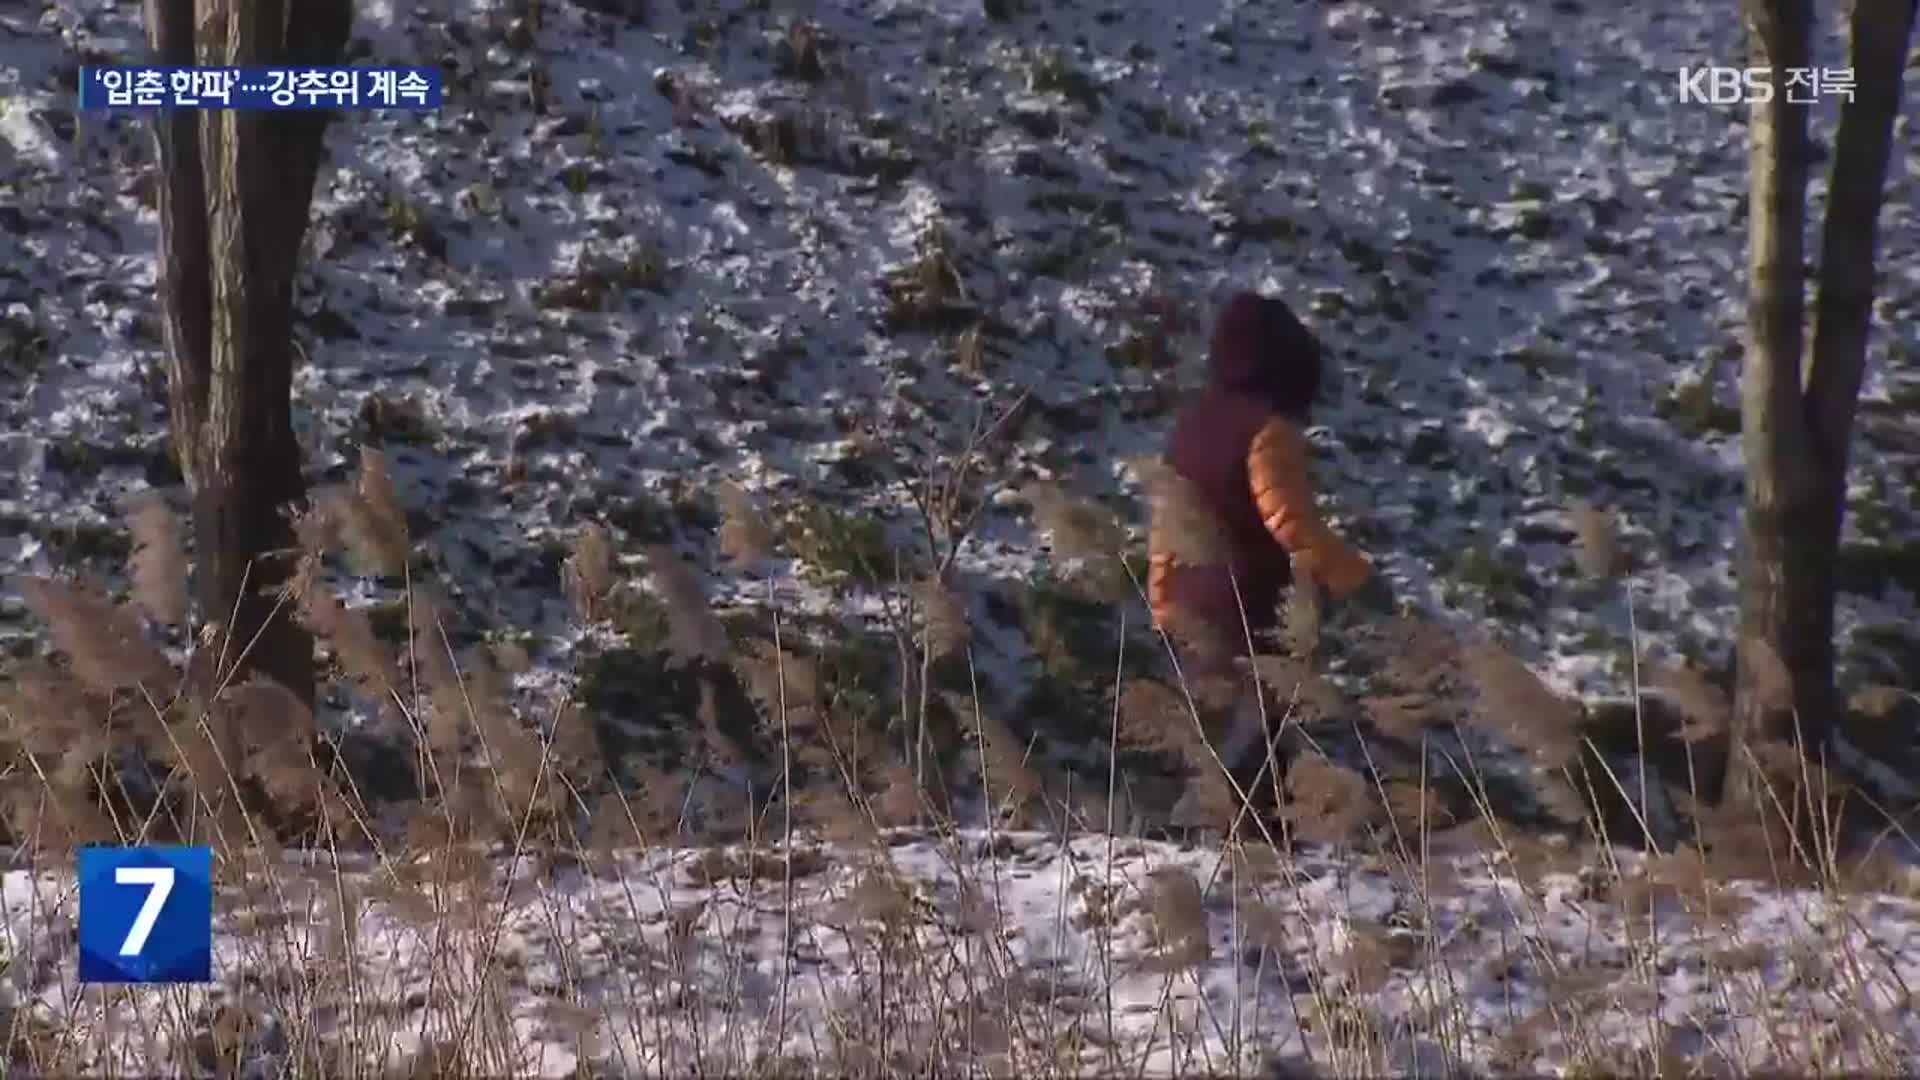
{"x": 159, "y": 565}
{"x": 362, "y": 659}
{"x": 1514, "y": 705}
{"x": 745, "y": 536}
{"x": 1769, "y": 680}
{"x": 1084, "y": 533}
{"x": 1597, "y": 548}
{"x": 588, "y": 573}
{"x": 104, "y": 642}
{"x": 1183, "y": 526}
{"x": 1176, "y": 903}
{"x": 943, "y": 614}
{"x": 1707, "y": 713}
{"x": 696, "y": 633}
{"x": 1327, "y": 803}
{"x": 513, "y": 792}
{"x": 367, "y": 517}
{"x": 1303, "y": 611}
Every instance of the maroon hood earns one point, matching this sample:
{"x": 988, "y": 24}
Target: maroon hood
{"x": 1261, "y": 349}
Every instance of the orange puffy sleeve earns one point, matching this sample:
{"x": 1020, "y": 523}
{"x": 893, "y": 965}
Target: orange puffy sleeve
{"x": 1277, "y": 472}
{"x": 1160, "y": 587}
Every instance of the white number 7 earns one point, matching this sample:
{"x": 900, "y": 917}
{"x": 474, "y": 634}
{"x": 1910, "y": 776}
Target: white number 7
{"x": 159, "y": 880}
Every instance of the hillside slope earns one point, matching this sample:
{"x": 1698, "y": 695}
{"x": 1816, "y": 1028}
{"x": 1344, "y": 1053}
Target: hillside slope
{"x": 721, "y": 247}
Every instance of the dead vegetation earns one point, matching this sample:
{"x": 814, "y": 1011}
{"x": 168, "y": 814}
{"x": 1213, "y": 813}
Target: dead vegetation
{"x": 807, "y": 750}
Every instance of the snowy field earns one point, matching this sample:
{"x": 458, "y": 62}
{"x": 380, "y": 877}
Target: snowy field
{"x": 1527, "y": 254}
{"x": 1094, "y": 957}
{"x": 641, "y": 254}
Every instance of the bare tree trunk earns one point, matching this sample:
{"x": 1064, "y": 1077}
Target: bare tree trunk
{"x": 1797, "y": 419}
{"x": 185, "y": 280}
{"x": 1780, "y": 494}
{"x": 235, "y": 194}
{"x": 1856, "y": 189}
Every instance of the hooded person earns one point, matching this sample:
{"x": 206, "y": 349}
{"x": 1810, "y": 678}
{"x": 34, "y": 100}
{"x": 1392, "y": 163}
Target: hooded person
{"x": 1240, "y": 447}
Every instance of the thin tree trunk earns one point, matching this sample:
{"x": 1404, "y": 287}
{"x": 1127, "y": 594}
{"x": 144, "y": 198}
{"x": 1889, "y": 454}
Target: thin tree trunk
{"x": 1856, "y": 189}
{"x": 235, "y": 200}
{"x": 185, "y": 277}
{"x": 1798, "y": 421}
{"x": 1781, "y": 495}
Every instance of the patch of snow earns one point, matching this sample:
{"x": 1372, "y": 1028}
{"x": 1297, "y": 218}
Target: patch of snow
{"x": 657, "y": 960}
{"x": 1514, "y": 238}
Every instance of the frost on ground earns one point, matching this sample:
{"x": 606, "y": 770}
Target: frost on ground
{"x": 637, "y": 256}
{"x": 1015, "y": 953}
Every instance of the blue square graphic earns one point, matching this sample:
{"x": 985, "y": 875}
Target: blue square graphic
{"x": 146, "y": 914}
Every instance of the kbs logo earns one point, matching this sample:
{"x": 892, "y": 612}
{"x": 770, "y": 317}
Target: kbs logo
{"x": 1757, "y": 85}
{"x": 1726, "y": 85}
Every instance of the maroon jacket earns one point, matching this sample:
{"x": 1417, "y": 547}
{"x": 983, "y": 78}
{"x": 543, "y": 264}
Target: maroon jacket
{"x": 1239, "y": 443}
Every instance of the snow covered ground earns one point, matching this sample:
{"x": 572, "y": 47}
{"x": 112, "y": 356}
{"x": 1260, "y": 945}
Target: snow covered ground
{"x": 705, "y": 258}
{"x": 1086, "y": 958}
{"x": 1525, "y": 250}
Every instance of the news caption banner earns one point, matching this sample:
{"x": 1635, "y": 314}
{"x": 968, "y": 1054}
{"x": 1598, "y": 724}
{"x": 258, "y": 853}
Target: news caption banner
{"x": 146, "y": 915}
{"x": 414, "y": 89}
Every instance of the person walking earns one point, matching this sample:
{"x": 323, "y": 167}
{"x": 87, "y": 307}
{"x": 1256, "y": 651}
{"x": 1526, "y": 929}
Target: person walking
{"x": 1239, "y": 449}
